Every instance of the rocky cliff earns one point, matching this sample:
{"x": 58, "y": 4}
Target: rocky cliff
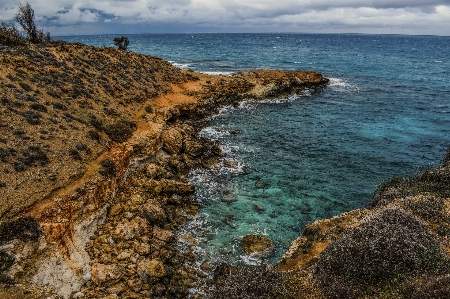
{"x": 95, "y": 147}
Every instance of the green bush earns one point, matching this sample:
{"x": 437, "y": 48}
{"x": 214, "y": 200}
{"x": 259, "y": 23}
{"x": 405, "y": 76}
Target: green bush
{"x": 432, "y": 288}
{"x": 388, "y": 247}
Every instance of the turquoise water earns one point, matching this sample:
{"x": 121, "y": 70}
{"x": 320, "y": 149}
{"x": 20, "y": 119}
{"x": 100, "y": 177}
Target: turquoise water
{"x": 385, "y": 113}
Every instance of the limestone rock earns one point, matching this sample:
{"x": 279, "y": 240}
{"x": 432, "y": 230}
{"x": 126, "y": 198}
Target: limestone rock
{"x": 193, "y": 147}
{"x": 123, "y": 231}
{"x": 231, "y": 164}
{"x": 164, "y": 235}
{"x": 115, "y": 210}
{"x": 142, "y": 248}
{"x": 259, "y": 208}
{"x": 150, "y": 268}
{"x": 116, "y": 289}
{"x": 153, "y": 212}
{"x": 172, "y": 141}
{"x": 188, "y": 240}
{"x": 172, "y": 186}
{"x": 258, "y": 246}
{"x": 106, "y": 275}
{"x": 154, "y": 171}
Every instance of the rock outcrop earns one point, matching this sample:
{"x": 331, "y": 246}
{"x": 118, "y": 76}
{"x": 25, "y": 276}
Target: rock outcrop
{"x": 258, "y": 246}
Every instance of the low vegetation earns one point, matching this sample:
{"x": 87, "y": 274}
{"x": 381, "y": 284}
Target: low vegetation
{"x": 388, "y": 249}
{"x": 250, "y": 282}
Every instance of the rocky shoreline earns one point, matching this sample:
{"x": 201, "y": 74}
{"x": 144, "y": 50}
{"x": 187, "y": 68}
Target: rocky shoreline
{"x": 95, "y": 152}
{"x": 109, "y": 231}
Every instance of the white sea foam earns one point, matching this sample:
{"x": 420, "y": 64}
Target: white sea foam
{"x": 216, "y": 73}
{"x": 342, "y": 85}
{"x": 250, "y": 260}
{"x": 285, "y": 100}
{"x": 213, "y": 133}
{"x": 183, "y": 66}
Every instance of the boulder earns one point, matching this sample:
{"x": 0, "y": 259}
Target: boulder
{"x": 154, "y": 171}
{"x": 172, "y": 186}
{"x": 193, "y": 147}
{"x": 150, "y": 268}
{"x": 153, "y": 212}
{"x": 164, "y": 235}
{"x": 123, "y": 232}
{"x": 258, "y": 246}
{"x": 172, "y": 141}
{"x": 106, "y": 275}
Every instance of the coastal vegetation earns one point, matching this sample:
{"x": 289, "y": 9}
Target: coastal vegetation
{"x": 121, "y": 42}
{"x": 11, "y": 36}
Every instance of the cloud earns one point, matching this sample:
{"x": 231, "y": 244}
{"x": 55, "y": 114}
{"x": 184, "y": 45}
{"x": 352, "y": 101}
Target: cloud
{"x": 400, "y": 16}
{"x": 76, "y": 15}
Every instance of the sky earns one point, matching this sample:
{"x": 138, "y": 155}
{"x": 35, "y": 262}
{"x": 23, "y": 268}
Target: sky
{"x": 82, "y": 17}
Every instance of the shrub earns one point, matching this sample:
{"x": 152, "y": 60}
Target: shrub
{"x": 75, "y": 154}
{"x": 33, "y": 118}
{"x": 32, "y": 156}
{"x": 121, "y": 42}
{"x": 38, "y": 107}
{"x": 108, "y": 167}
{"x": 388, "y": 247}
{"x": 94, "y": 135}
{"x": 9, "y": 35}
{"x": 25, "y": 86}
{"x": 6, "y": 261}
{"x": 257, "y": 282}
{"x": 432, "y": 288}
{"x": 25, "y": 229}
{"x": 120, "y": 131}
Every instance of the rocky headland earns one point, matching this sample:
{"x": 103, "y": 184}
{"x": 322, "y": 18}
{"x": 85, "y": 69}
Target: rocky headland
{"x": 95, "y": 148}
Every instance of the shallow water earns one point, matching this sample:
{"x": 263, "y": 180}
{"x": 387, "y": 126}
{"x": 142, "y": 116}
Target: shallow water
{"x": 385, "y": 113}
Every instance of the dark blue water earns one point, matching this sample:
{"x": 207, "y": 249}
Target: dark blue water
{"x": 385, "y": 113}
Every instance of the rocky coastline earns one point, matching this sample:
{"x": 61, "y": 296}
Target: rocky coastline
{"x": 106, "y": 141}
{"x": 96, "y": 146}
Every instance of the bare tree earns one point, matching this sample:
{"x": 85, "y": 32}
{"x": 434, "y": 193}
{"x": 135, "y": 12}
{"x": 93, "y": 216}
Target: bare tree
{"x": 25, "y": 17}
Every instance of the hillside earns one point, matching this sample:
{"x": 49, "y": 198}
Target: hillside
{"x": 95, "y": 147}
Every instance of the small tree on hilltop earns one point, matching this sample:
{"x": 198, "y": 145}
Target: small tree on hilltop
{"x": 25, "y": 17}
{"x": 121, "y": 42}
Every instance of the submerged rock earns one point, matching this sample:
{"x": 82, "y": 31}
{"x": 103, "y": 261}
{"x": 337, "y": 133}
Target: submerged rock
{"x": 258, "y": 246}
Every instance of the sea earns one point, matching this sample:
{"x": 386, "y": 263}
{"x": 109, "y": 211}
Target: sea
{"x": 297, "y": 159}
